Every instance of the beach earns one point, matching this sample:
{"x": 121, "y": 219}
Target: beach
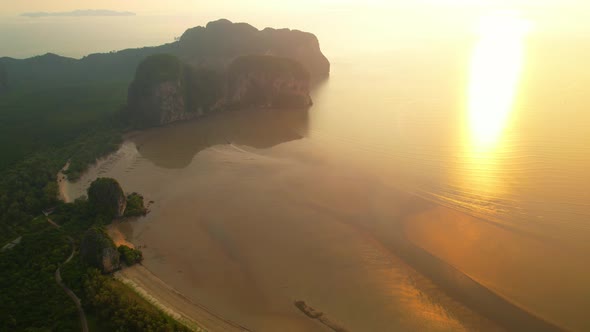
{"x": 173, "y": 303}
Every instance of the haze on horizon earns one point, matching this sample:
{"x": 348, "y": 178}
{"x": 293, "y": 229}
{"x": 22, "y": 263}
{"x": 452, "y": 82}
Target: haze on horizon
{"x": 369, "y": 26}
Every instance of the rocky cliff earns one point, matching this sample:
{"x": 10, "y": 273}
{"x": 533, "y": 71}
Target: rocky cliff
{"x": 267, "y": 81}
{"x": 165, "y": 90}
{"x": 98, "y": 250}
{"x": 157, "y": 94}
{"x": 220, "y": 42}
{"x": 106, "y": 196}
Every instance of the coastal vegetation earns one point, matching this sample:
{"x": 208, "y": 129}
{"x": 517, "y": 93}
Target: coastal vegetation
{"x": 40, "y": 131}
{"x": 119, "y": 309}
{"x": 82, "y": 121}
{"x": 31, "y": 298}
{"x": 111, "y": 305}
{"x": 129, "y": 255}
{"x": 135, "y": 206}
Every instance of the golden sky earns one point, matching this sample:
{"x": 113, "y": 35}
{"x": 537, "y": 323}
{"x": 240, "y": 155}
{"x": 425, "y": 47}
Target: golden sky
{"x": 341, "y": 25}
{"x": 141, "y": 6}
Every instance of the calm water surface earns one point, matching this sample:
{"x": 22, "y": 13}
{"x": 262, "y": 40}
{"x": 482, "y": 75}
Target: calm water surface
{"x": 408, "y": 166}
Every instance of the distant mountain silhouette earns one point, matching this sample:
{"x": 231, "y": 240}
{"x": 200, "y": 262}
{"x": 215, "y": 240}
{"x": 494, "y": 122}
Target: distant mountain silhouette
{"x": 80, "y": 13}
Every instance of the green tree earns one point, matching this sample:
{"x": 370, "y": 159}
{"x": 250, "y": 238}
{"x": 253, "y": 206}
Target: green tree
{"x": 129, "y": 255}
{"x": 135, "y": 205}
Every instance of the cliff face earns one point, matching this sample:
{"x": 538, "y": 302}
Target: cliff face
{"x": 110, "y": 260}
{"x": 157, "y": 95}
{"x": 98, "y": 250}
{"x": 165, "y": 90}
{"x": 107, "y": 197}
{"x": 159, "y": 104}
{"x": 266, "y": 81}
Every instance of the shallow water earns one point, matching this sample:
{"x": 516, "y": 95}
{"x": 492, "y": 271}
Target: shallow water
{"x": 411, "y": 177}
{"x": 248, "y": 231}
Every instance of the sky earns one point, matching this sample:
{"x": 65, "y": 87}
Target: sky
{"x": 15, "y": 7}
{"x": 341, "y": 25}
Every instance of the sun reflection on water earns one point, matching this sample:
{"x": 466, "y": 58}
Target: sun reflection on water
{"x": 494, "y": 74}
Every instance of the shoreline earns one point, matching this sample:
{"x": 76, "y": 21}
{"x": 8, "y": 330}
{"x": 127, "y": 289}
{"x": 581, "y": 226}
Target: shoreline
{"x": 147, "y": 285}
{"x": 172, "y": 302}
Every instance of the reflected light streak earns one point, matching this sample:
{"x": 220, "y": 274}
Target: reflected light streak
{"x": 494, "y": 74}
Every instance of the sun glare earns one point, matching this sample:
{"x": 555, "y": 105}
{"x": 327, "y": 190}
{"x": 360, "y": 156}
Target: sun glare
{"x": 494, "y": 74}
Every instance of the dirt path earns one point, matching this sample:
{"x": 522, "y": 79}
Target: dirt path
{"x": 68, "y": 291}
{"x": 72, "y": 295}
{"x": 173, "y": 302}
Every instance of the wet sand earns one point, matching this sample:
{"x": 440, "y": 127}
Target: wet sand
{"x": 530, "y": 269}
{"x": 167, "y": 299}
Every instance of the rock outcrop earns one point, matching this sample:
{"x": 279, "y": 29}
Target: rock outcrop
{"x": 165, "y": 90}
{"x": 157, "y": 95}
{"x": 106, "y": 196}
{"x": 221, "y": 41}
{"x": 98, "y": 250}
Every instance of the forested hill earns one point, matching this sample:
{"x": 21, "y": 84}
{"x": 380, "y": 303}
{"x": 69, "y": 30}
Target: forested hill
{"x": 3, "y": 83}
{"x": 50, "y": 69}
{"x": 214, "y": 45}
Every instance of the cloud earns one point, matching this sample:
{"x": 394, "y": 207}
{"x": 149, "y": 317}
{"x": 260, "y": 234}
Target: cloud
{"x": 80, "y": 13}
